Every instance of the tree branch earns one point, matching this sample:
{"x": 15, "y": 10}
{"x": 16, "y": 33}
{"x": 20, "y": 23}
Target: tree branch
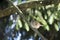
{"x": 23, "y": 6}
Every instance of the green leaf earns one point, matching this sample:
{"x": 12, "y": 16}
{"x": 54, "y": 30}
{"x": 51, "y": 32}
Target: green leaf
{"x": 49, "y": 13}
{"x": 19, "y": 23}
{"x": 56, "y": 15}
{"x": 49, "y": 6}
{"x": 44, "y": 23}
{"x": 56, "y": 27}
{"x": 26, "y": 26}
{"x": 51, "y": 19}
{"x": 58, "y": 7}
{"x": 45, "y": 16}
{"x": 46, "y": 27}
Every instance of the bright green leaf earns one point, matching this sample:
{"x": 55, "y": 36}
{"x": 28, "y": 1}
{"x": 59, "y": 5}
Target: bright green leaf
{"x": 46, "y": 27}
{"x": 19, "y": 23}
{"x": 56, "y": 27}
{"x": 51, "y": 19}
{"x": 26, "y": 26}
{"x": 49, "y": 12}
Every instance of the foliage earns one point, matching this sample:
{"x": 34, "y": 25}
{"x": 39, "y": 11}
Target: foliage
{"x": 47, "y": 15}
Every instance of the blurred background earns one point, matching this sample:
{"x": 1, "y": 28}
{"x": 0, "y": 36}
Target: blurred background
{"x": 44, "y": 15}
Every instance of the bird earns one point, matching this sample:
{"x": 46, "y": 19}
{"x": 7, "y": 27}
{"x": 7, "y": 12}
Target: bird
{"x": 35, "y": 24}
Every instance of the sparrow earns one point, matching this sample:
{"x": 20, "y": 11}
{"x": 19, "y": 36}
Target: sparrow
{"x": 35, "y": 24}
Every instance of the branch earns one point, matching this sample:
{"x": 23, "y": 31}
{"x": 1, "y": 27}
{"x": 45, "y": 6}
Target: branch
{"x": 23, "y": 6}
